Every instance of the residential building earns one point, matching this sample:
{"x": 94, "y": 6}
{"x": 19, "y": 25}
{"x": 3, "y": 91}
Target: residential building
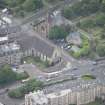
{"x": 79, "y": 95}
{"x": 36, "y": 98}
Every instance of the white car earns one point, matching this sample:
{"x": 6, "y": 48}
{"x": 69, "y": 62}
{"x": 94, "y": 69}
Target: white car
{"x": 48, "y": 80}
{"x": 94, "y": 63}
{"x": 25, "y": 80}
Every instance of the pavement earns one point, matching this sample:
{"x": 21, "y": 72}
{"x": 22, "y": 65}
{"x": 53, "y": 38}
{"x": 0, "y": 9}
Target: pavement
{"x": 83, "y": 66}
{"x": 99, "y": 73}
{"x": 4, "y": 95}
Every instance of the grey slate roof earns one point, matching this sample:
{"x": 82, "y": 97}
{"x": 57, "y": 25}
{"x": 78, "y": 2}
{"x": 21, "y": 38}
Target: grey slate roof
{"x": 9, "y": 30}
{"x": 39, "y": 45}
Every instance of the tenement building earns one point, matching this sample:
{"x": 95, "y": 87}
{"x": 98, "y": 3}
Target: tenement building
{"x": 79, "y": 95}
{"x": 9, "y": 49}
{"x": 36, "y": 98}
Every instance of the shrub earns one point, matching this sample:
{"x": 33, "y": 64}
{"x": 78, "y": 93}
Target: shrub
{"x": 17, "y": 93}
{"x": 84, "y": 50}
{"x": 21, "y": 76}
{"x": 29, "y": 86}
{"x": 83, "y": 8}
{"x": 9, "y": 76}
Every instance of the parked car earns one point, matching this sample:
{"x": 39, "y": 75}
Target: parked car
{"x": 6, "y": 89}
{"x": 75, "y": 68}
{"x": 25, "y": 80}
{"x": 94, "y": 63}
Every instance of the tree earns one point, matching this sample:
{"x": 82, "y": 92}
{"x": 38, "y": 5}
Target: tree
{"x": 13, "y": 3}
{"x": 21, "y": 6}
{"x": 100, "y": 49}
{"x": 57, "y": 32}
{"x": 31, "y": 85}
{"x": 103, "y": 34}
{"x": 7, "y": 75}
{"x": 68, "y": 12}
{"x": 100, "y": 20}
{"x": 31, "y": 5}
{"x": 53, "y": 1}
{"x": 83, "y": 8}
{"x": 2, "y": 4}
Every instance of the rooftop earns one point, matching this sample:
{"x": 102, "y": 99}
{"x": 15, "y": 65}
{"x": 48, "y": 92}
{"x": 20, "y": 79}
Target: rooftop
{"x": 8, "y": 48}
{"x": 9, "y": 30}
{"x": 37, "y": 44}
{"x": 38, "y": 97}
{"x": 61, "y": 93}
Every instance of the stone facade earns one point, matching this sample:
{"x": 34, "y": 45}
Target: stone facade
{"x": 43, "y": 56}
{"x": 28, "y": 46}
{"x": 65, "y": 97}
{"x": 14, "y": 58}
{"x": 36, "y": 98}
{"x": 42, "y": 27}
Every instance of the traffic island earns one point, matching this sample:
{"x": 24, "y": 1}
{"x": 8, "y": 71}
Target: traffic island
{"x": 88, "y": 77}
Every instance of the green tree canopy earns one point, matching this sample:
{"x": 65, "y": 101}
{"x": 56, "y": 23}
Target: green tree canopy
{"x": 7, "y": 75}
{"x": 101, "y": 49}
{"x": 26, "y": 5}
{"x": 83, "y": 8}
{"x": 31, "y": 5}
{"x": 59, "y": 32}
{"x": 31, "y": 85}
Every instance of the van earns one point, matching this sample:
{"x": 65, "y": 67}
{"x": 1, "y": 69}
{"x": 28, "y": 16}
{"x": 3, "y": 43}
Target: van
{"x": 25, "y": 80}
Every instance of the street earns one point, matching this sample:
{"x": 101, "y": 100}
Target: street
{"x": 69, "y": 68}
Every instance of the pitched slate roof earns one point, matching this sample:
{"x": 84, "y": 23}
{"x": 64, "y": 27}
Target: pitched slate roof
{"x": 9, "y": 30}
{"x": 39, "y": 45}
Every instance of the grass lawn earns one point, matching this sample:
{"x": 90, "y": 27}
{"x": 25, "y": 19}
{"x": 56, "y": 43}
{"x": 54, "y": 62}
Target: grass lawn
{"x": 88, "y": 77}
{"x": 37, "y": 61}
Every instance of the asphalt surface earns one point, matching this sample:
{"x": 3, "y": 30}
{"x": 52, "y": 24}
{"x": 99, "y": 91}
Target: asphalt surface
{"x": 83, "y": 67}
{"x": 97, "y": 70}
